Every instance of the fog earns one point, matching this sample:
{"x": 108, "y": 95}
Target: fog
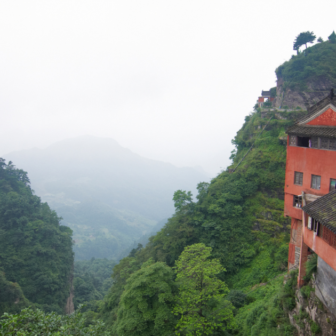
{"x": 170, "y": 80}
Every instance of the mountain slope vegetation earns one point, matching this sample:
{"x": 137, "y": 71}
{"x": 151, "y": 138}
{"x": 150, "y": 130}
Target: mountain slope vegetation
{"x": 239, "y": 215}
{"x": 315, "y": 64}
{"x": 36, "y": 255}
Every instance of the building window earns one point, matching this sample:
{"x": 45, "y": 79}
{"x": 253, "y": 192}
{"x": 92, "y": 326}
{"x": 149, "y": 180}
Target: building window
{"x": 297, "y": 201}
{"x": 298, "y": 178}
{"x": 328, "y": 143}
{"x": 332, "y": 184}
{"x": 316, "y": 182}
{"x": 314, "y": 142}
{"x": 314, "y": 225}
{"x": 329, "y": 237}
{"x": 332, "y": 144}
{"x": 303, "y": 141}
{"x": 324, "y": 143}
{"x": 292, "y": 140}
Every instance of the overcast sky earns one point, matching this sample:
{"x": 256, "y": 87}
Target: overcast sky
{"x": 171, "y": 80}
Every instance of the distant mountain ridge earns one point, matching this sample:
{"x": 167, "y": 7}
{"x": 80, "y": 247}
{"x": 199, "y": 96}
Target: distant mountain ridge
{"x": 94, "y": 183}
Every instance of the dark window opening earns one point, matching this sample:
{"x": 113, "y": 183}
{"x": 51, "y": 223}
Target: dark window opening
{"x": 303, "y": 141}
{"x": 298, "y": 178}
{"x": 332, "y": 184}
{"x": 316, "y": 182}
{"x": 314, "y": 225}
{"x": 297, "y": 201}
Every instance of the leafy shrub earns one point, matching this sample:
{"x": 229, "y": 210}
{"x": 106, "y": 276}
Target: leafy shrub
{"x": 315, "y": 328}
{"x": 237, "y": 298}
{"x": 311, "y": 267}
{"x": 37, "y": 323}
{"x": 305, "y": 291}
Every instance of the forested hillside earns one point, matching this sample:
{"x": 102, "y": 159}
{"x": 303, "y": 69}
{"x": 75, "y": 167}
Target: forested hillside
{"x": 239, "y": 215}
{"x": 36, "y": 257}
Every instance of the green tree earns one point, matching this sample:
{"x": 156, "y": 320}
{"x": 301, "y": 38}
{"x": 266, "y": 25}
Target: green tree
{"x": 332, "y": 37}
{"x": 303, "y": 39}
{"x": 146, "y": 304}
{"x": 320, "y": 40}
{"x": 121, "y": 273}
{"x": 181, "y": 198}
{"x": 200, "y": 304}
{"x": 202, "y": 189}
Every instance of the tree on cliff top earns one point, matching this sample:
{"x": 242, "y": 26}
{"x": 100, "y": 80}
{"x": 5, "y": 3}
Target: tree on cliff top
{"x": 303, "y": 39}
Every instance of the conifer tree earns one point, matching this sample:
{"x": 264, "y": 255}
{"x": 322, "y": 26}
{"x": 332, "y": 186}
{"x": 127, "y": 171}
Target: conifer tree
{"x": 303, "y": 39}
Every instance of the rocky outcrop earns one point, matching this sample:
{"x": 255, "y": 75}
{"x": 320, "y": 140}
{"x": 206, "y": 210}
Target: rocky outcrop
{"x": 69, "y": 307}
{"x": 315, "y": 90}
{"x": 310, "y": 316}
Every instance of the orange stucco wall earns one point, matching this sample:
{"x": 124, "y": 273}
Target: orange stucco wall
{"x": 308, "y": 161}
{"x": 320, "y": 247}
{"x": 327, "y": 118}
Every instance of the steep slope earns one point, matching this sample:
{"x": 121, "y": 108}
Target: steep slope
{"x": 239, "y": 215}
{"x": 35, "y": 250}
{"x": 107, "y": 194}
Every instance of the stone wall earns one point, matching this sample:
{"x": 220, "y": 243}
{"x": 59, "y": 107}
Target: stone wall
{"x": 326, "y": 285}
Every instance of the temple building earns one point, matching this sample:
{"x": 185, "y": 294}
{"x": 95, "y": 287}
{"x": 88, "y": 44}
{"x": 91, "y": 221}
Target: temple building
{"x": 265, "y": 97}
{"x": 310, "y": 195}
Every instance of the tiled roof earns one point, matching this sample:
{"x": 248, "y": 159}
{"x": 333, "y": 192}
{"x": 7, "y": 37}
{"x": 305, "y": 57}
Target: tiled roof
{"x": 329, "y": 132}
{"x": 318, "y": 107}
{"x": 324, "y": 210}
{"x": 301, "y": 129}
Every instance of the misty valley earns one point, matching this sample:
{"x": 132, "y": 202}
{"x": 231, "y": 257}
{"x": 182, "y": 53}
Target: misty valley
{"x": 110, "y": 197}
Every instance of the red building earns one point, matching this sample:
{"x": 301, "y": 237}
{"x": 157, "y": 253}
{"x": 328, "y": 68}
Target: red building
{"x": 311, "y": 174}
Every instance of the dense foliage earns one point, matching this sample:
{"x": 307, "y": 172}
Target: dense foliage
{"x": 11, "y": 297}
{"x": 37, "y": 323}
{"x": 92, "y": 280}
{"x": 239, "y": 215}
{"x": 201, "y": 304}
{"x": 147, "y": 301}
{"x": 265, "y": 312}
{"x": 313, "y": 64}
{"x": 35, "y": 250}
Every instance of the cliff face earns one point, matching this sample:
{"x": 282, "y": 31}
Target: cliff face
{"x": 311, "y": 316}
{"x": 307, "y": 77}
{"x": 69, "y": 307}
{"x": 317, "y": 89}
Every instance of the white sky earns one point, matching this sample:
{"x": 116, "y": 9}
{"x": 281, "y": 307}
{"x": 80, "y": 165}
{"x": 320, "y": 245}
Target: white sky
{"x": 171, "y": 80}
